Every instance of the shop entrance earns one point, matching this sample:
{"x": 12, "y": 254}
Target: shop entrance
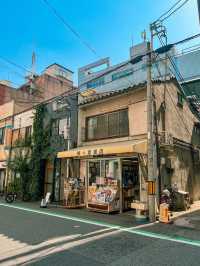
{"x": 130, "y": 182}
{"x": 113, "y": 184}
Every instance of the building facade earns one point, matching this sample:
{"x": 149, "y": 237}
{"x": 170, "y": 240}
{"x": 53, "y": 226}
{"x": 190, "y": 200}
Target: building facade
{"x": 112, "y": 145}
{"x": 62, "y": 116}
{"x": 6, "y": 122}
{"x": 60, "y": 120}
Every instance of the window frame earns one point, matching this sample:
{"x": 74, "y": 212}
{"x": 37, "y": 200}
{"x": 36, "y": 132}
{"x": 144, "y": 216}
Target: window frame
{"x": 119, "y": 135}
{"x": 28, "y": 132}
{"x": 2, "y": 138}
{"x": 180, "y": 99}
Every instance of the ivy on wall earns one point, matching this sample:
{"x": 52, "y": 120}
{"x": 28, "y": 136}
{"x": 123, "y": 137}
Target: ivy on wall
{"x": 40, "y": 151}
{"x": 29, "y": 157}
{"x": 20, "y": 167}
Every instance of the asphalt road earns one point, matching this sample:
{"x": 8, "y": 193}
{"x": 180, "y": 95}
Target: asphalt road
{"x": 29, "y": 237}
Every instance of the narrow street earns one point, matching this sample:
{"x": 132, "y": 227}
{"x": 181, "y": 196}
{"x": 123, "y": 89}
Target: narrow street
{"x": 33, "y": 236}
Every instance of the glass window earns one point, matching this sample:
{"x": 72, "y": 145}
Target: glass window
{"x": 91, "y": 127}
{"x": 55, "y": 127}
{"x": 113, "y": 124}
{"x": 122, "y": 74}
{"x": 103, "y": 182}
{"x": 108, "y": 125}
{"x": 28, "y": 132}
{"x": 95, "y": 83}
{"x": 180, "y": 99}
{"x": 2, "y": 135}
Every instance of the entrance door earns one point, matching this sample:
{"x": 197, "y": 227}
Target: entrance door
{"x": 130, "y": 181}
{"x": 94, "y": 171}
{"x": 2, "y": 179}
{"x": 48, "y": 178}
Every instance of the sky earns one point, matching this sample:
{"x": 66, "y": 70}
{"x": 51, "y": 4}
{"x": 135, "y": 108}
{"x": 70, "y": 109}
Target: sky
{"x": 109, "y": 26}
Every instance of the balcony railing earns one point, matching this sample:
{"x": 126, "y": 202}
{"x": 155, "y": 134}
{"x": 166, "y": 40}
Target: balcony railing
{"x": 166, "y": 139}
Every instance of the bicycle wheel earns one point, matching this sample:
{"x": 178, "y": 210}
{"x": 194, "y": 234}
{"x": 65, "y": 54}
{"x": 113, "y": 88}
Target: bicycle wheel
{"x": 9, "y": 198}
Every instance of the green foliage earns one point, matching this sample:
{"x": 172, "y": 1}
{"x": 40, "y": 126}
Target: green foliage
{"x": 20, "y": 165}
{"x": 40, "y": 151}
{"x": 30, "y": 155}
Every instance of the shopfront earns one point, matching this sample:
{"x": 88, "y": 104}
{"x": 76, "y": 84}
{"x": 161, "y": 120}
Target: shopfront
{"x": 111, "y": 175}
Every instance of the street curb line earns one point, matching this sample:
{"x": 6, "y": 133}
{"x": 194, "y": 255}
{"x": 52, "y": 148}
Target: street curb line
{"x": 117, "y": 227}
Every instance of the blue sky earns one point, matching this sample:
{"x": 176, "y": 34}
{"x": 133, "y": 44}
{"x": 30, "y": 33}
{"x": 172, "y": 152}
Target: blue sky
{"x": 108, "y": 25}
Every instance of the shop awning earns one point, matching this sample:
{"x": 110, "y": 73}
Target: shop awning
{"x": 106, "y": 149}
{"x": 3, "y": 165}
{"x": 3, "y": 156}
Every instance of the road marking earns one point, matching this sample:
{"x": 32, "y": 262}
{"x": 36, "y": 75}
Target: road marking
{"x": 132, "y": 230}
{"x": 32, "y": 253}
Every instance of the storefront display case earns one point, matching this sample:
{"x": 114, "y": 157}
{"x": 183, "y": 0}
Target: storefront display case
{"x": 104, "y": 186}
{"x": 74, "y": 193}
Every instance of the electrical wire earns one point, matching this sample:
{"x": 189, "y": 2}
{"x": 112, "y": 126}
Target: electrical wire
{"x": 14, "y": 64}
{"x": 69, "y": 27}
{"x": 165, "y": 13}
{"x": 172, "y": 100}
{"x": 168, "y": 14}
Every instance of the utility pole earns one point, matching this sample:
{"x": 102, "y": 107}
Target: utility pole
{"x": 150, "y": 135}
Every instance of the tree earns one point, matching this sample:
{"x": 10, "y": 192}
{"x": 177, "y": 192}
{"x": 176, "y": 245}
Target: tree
{"x": 20, "y": 166}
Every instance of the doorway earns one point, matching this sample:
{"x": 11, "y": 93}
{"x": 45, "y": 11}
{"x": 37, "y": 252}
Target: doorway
{"x": 130, "y": 182}
{"x": 2, "y": 179}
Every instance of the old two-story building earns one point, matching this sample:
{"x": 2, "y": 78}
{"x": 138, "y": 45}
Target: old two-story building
{"x": 62, "y": 114}
{"x": 16, "y": 105}
{"x": 60, "y": 118}
{"x": 6, "y": 121}
{"x": 112, "y": 145}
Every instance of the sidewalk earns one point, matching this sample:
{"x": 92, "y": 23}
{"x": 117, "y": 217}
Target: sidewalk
{"x": 193, "y": 208}
{"x": 125, "y": 219}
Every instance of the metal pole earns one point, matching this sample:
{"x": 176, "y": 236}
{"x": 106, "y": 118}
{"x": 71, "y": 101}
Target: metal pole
{"x": 150, "y": 136}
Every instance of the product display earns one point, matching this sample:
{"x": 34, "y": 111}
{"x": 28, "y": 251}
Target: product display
{"x": 74, "y": 193}
{"x": 104, "y": 195}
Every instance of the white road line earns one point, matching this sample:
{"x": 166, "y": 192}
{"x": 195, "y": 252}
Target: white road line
{"x": 136, "y": 230}
{"x": 36, "y": 254}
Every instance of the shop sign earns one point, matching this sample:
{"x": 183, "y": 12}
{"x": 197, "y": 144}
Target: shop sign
{"x": 151, "y": 187}
{"x": 89, "y": 152}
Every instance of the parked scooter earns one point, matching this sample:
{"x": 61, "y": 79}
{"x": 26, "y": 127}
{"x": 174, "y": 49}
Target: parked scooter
{"x": 176, "y": 199}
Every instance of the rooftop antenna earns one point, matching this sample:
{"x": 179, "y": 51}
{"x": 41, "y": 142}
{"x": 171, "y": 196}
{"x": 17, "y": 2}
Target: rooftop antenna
{"x": 132, "y": 39}
{"x": 32, "y": 75}
{"x": 144, "y": 35}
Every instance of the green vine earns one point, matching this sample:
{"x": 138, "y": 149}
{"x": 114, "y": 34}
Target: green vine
{"x": 41, "y": 150}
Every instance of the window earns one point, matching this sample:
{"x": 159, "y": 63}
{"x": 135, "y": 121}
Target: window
{"x": 15, "y": 136}
{"x": 108, "y": 125}
{"x": 122, "y": 74}
{"x": 95, "y": 83}
{"x": 55, "y": 127}
{"x": 180, "y": 99}
{"x": 2, "y": 135}
{"x": 28, "y": 132}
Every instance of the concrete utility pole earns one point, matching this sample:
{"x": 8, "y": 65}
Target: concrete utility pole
{"x": 150, "y": 137}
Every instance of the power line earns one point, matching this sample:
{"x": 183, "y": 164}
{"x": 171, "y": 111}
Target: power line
{"x": 168, "y": 14}
{"x": 172, "y": 100}
{"x": 165, "y": 13}
{"x": 69, "y": 27}
{"x": 187, "y": 39}
{"x": 177, "y": 73}
{"x": 15, "y": 64}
